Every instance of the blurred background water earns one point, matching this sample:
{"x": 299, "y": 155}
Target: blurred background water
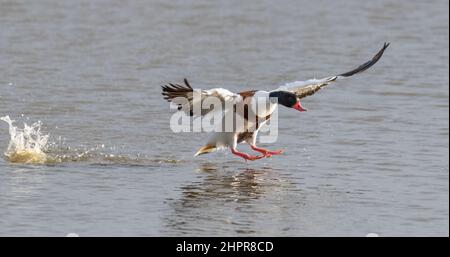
{"x": 370, "y": 155}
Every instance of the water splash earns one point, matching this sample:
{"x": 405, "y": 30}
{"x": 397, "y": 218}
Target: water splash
{"x": 27, "y": 145}
{"x": 31, "y": 146}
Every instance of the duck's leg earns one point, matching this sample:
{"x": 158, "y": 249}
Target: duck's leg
{"x": 245, "y": 156}
{"x": 266, "y": 152}
{"x": 234, "y": 150}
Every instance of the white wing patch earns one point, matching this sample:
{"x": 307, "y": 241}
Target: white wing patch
{"x": 309, "y": 87}
{"x": 202, "y": 98}
{"x": 294, "y": 86}
{"x": 192, "y": 101}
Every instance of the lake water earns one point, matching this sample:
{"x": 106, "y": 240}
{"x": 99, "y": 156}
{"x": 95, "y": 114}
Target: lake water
{"x": 370, "y": 155}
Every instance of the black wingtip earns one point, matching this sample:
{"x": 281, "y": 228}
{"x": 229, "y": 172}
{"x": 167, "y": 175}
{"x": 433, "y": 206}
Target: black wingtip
{"x": 186, "y": 82}
{"x": 367, "y": 64}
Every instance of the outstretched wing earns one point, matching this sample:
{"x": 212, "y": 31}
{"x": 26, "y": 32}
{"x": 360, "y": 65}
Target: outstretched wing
{"x": 191, "y": 100}
{"x": 309, "y": 87}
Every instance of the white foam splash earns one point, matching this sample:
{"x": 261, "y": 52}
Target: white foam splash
{"x": 31, "y": 146}
{"x": 27, "y": 145}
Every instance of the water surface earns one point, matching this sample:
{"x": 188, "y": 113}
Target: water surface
{"x": 370, "y": 155}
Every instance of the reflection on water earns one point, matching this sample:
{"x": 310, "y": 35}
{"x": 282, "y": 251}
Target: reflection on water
{"x": 225, "y": 201}
{"x": 243, "y": 186}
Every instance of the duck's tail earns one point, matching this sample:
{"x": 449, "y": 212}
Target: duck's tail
{"x": 206, "y": 149}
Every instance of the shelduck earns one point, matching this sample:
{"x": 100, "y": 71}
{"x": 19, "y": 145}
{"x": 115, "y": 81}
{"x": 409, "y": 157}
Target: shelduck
{"x": 243, "y": 104}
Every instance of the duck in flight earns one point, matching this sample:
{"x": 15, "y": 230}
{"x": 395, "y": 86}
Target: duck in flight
{"x": 289, "y": 95}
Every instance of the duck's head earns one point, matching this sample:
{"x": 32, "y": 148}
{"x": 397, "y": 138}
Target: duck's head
{"x": 287, "y": 99}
